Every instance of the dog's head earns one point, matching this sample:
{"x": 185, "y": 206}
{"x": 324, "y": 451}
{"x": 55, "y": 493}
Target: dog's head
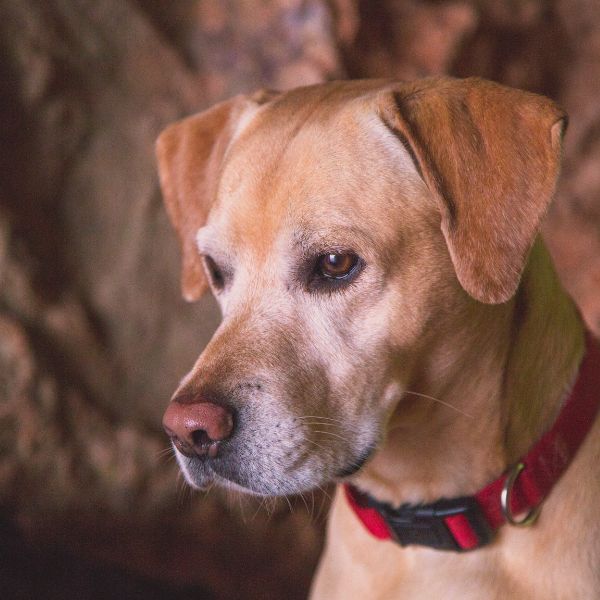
{"x": 339, "y": 227}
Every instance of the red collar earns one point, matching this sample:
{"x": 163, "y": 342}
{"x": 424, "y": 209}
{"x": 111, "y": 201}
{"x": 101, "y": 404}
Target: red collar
{"x": 470, "y": 522}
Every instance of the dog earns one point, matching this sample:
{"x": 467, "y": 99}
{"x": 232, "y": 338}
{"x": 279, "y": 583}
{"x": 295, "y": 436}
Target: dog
{"x": 391, "y": 322}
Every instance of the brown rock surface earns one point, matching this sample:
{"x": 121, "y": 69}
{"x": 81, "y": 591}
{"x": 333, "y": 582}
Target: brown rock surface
{"x": 93, "y": 334}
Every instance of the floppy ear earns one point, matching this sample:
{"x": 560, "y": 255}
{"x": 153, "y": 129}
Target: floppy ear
{"x": 490, "y": 156}
{"x": 190, "y": 153}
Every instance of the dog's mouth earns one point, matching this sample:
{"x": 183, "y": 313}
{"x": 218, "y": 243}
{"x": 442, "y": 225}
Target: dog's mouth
{"x": 276, "y": 456}
{"x": 357, "y": 464}
{"x": 197, "y": 470}
{"x": 202, "y": 472}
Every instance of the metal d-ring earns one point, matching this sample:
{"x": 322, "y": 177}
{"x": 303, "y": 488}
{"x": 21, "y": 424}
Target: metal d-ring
{"x": 531, "y": 516}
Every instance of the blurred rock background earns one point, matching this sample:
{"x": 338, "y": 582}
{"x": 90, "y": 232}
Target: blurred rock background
{"x": 93, "y": 334}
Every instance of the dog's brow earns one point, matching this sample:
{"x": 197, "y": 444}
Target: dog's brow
{"x": 328, "y": 239}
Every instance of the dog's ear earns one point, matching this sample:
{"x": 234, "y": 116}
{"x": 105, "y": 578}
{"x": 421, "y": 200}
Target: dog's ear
{"x": 490, "y": 155}
{"x": 189, "y": 154}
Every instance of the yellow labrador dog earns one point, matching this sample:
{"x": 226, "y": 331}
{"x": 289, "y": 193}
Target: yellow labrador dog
{"x": 392, "y": 322}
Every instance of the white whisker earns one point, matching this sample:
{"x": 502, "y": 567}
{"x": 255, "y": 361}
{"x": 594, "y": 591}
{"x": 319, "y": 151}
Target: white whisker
{"x": 305, "y": 503}
{"x": 344, "y": 428}
{"x": 428, "y": 397}
{"x": 320, "y": 417}
{"x": 332, "y": 434}
{"x": 317, "y": 445}
{"x": 324, "y": 497}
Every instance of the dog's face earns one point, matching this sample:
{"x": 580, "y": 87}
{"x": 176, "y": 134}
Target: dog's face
{"x": 325, "y": 220}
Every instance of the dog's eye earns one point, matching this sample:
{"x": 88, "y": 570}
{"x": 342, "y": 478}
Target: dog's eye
{"x": 336, "y": 266}
{"x": 216, "y": 275}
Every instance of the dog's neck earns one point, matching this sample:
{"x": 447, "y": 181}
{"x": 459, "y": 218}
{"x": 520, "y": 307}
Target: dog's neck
{"x": 499, "y": 374}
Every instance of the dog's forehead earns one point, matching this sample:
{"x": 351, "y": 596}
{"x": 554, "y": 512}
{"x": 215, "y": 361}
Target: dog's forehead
{"x": 322, "y": 164}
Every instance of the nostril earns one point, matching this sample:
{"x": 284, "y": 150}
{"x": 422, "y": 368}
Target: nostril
{"x": 201, "y": 438}
{"x": 183, "y": 447}
{"x": 203, "y": 444}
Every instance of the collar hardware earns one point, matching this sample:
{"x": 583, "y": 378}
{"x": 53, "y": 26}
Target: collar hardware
{"x": 431, "y": 524}
{"x": 505, "y": 502}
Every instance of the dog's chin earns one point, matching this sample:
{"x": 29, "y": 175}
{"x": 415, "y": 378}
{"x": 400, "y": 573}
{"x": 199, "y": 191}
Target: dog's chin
{"x": 202, "y": 474}
{"x": 201, "y": 477}
{"x": 206, "y": 482}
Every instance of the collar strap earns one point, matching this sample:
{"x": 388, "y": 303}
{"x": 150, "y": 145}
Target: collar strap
{"x": 470, "y": 522}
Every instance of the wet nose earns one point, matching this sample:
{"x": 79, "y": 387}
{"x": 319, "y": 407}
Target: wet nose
{"x": 197, "y": 427}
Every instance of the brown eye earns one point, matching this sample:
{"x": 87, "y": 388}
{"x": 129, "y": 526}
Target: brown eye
{"x": 336, "y": 266}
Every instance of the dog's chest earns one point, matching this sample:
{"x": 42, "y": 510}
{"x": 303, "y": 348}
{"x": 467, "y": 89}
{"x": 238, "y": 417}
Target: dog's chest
{"x": 356, "y": 565}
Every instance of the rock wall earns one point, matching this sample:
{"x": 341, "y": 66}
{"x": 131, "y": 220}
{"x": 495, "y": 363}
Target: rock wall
{"x": 93, "y": 334}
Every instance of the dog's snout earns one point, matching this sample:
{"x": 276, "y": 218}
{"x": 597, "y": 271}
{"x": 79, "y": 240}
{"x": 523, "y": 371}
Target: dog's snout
{"x": 197, "y": 427}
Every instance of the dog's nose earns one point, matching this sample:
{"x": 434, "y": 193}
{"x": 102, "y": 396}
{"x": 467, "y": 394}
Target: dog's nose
{"x": 197, "y": 427}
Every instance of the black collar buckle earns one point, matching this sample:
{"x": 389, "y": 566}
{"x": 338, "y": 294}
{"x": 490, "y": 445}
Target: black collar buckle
{"x": 425, "y": 525}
